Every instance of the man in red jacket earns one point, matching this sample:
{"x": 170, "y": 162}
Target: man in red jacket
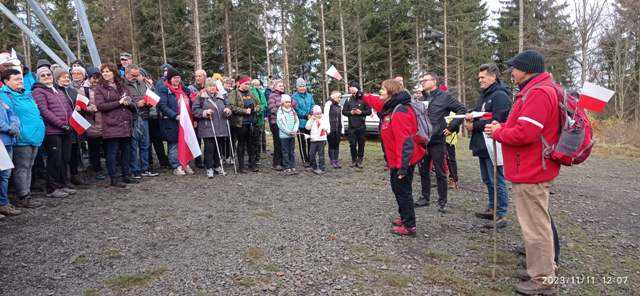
{"x": 535, "y": 117}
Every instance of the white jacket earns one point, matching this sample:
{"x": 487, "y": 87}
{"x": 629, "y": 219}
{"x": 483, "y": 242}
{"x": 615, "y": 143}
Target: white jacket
{"x": 319, "y": 128}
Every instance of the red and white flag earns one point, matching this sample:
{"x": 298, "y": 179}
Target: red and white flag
{"x": 188, "y": 147}
{"x": 151, "y": 98}
{"x": 78, "y": 123}
{"x": 333, "y": 73}
{"x": 594, "y": 97}
{"x": 82, "y": 102}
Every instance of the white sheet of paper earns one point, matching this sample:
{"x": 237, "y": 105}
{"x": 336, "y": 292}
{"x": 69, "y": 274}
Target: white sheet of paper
{"x": 5, "y": 159}
{"x": 489, "y": 142}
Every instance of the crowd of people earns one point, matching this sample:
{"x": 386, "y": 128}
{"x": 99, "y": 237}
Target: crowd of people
{"x": 230, "y": 116}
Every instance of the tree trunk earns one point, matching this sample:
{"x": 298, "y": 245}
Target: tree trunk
{"x": 132, "y": 34}
{"x": 227, "y": 39}
{"x": 235, "y": 54}
{"x": 323, "y": 48}
{"x": 283, "y": 33}
{"x": 266, "y": 43}
{"x": 418, "y": 67}
{"x": 78, "y": 43}
{"x": 164, "y": 44}
{"x": 521, "y": 26}
{"x": 446, "y": 35}
{"x": 27, "y": 45}
{"x": 344, "y": 50}
{"x": 390, "y": 51}
{"x": 196, "y": 33}
{"x": 66, "y": 41}
{"x": 360, "y": 68}
{"x": 584, "y": 42}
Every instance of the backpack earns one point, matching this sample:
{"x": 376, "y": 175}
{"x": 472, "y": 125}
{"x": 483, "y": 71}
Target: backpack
{"x": 425, "y": 130}
{"x": 576, "y": 133}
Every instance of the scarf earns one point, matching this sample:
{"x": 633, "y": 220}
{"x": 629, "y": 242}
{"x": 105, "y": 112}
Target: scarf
{"x": 179, "y": 93}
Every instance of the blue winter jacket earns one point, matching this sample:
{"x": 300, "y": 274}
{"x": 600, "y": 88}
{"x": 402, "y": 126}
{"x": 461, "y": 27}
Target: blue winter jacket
{"x": 24, "y": 107}
{"x": 304, "y": 105}
{"x": 9, "y": 124}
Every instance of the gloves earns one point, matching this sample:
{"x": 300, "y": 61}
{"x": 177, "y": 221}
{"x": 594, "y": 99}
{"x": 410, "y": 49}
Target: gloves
{"x": 66, "y": 128}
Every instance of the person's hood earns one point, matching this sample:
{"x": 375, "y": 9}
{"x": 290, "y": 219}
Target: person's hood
{"x": 402, "y": 97}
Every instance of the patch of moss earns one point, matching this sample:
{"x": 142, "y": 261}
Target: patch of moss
{"x": 124, "y": 282}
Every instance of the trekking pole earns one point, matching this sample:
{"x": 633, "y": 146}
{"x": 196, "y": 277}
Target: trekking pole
{"x": 215, "y": 139}
{"x": 300, "y": 139}
{"x": 233, "y": 155}
{"x": 495, "y": 209}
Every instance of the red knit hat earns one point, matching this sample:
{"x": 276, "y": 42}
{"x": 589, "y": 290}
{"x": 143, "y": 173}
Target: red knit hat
{"x": 244, "y": 79}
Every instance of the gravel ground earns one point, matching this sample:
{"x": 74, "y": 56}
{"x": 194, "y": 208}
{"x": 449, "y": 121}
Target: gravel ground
{"x": 266, "y": 234}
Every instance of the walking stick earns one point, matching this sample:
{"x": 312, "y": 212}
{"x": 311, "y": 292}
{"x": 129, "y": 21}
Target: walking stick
{"x": 495, "y": 209}
{"x": 215, "y": 139}
{"x": 233, "y": 155}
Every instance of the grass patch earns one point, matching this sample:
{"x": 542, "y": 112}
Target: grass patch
{"x": 395, "y": 280}
{"x": 90, "y": 292}
{"x": 503, "y": 258}
{"x": 438, "y": 255}
{"x": 80, "y": 259}
{"x": 360, "y": 249}
{"x": 112, "y": 254}
{"x": 272, "y": 267}
{"x": 122, "y": 283}
{"x": 358, "y": 272}
{"x": 254, "y": 255}
{"x": 264, "y": 214}
{"x": 446, "y": 277}
{"x": 383, "y": 258}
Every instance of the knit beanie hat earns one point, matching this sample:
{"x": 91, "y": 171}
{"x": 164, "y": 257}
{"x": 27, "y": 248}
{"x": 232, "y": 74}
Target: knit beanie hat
{"x": 79, "y": 69}
{"x": 172, "y": 72}
{"x": 300, "y": 82}
{"x": 42, "y": 70}
{"x": 285, "y": 98}
{"x": 244, "y": 79}
{"x": 528, "y": 61}
{"x": 43, "y": 63}
{"x": 57, "y": 73}
{"x": 354, "y": 84}
{"x": 316, "y": 110}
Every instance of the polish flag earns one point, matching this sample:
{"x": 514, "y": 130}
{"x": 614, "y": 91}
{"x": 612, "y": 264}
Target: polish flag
{"x": 82, "y": 102}
{"x": 188, "y": 147}
{"x": 151, "y": 98}
{"x": 78, "y": 123}
{"x": 474, "y": 114}
{"x": 333, "y": 73}
{"x": 594, "y": 97}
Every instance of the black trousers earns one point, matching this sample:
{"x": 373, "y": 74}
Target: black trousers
{"x": 75, "y": 161}
{"x": 404, "y": 196}
{"x": 452, "y": 163}
{"x": 122, "y": 145}
{"x": 155, "y": 138}
{"x": 435, "y": 152}
{"x": 305, "y": 143}
{"x": 277, "y": 148}
{"x": 316, "y": 153}
{"x": 211, "y": 159}
{"x": 58, "y": 149}
{"x": 246, "y": 144}
{"x": 96, "y": 147}
{"x": 357, "y": 140}
{"x": 333, "y": 139}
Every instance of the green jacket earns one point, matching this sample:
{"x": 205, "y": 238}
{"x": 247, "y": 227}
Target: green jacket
{"x": 259, "y": 93}
{"x": 236, "y": 103}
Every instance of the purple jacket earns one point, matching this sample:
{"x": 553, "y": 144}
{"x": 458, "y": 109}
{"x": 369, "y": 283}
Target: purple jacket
{"x": 274, "y": 103}
{"x": 54, "y": 108}
{"x": 116, "y": 119}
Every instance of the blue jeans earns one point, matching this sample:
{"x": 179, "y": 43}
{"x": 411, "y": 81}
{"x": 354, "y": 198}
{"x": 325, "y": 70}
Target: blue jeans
{"x": 140, "y": 147}
{"x": 486, "y": 171}
{"x": 288, "y": 152}
{"x": 4, "y": 181}
{"x": 173, "y": 155}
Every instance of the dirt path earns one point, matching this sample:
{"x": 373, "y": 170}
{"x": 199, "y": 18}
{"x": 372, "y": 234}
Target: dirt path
{"x": 265, "y": 234}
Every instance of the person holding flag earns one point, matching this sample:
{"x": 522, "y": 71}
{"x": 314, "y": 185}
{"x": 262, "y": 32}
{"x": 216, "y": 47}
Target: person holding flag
{"x": 535, "y": 116}
{"x": 172, "y": 94}
{"x": 115, "y": 104}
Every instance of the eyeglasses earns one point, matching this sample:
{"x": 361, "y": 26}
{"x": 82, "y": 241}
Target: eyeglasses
{"x": 45, "y": 75}
{"x": 123, "y": 59}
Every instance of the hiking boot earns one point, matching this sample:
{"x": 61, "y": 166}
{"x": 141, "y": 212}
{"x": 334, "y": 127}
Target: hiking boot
{"x": 534, "y": 287}
{"x": 128, "y": 180}
{"x": 77, "y": 180}
{"x": 27, "y": 203}
{"x": 150, "y": 174}
{"x": 116, "y": 183}
{"x": 403, "y": 231}
{"x": 397, "y": 222}
{"x": 443, "y": 209}
{"x": 522, "y": 275}
{"x": 501, "y": 222}
{"x": 188, "y": 170}
{"x": 179, "y": 172}
{"x": 423, "y": 202}
{"x": 9, "y": 210}
{"x": 210, "y": 173}
{"x": 68, "y": 190}
{"x": 57, "y": 194}
{"x": 487, "y": 214}
{"x": 354, "y": 164}
{"x": 359, "y": 163}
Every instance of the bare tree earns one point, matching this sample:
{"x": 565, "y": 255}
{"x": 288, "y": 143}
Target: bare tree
{"x": 521, "y": 26}
{"x": 283, "y": 34}
{"x": 266, "y": 42}
{"x": 164, "y": 43}
{"x": 132, "y": 33}
{"x": 323, "y": 48}
{"x": 344, "y": 49}
{"x": 589, "y": 17}
{"x": 227, "y": 39}
{"x": 196, "y": 34}
{"x": 446, "y": 35}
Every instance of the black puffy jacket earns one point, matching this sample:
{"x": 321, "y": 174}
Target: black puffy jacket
{"x": 497, "y": 100}
{"x": 440, "y": 105}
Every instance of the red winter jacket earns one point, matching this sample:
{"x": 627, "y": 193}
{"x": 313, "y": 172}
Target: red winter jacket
{"x": 398, "y": 130}
{"x": 537, "y": 115}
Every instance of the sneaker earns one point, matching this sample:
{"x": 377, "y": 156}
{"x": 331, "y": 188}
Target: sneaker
{"x": 443, "y": 209}
{"x": 403, "y": 231}
{"x": 318, "y": 171}
{"x": 57, "y": 194}
{"x": 179, "y": 172}
{"x": 220, "y": 171}
{"x": 353, "y": 164}
{"x": 423, "y": 202}
{"x": 137, "y": 176}
{"x": 9, "y": 210}
{"x": 534, "y": 287}
{"x": 287, "y": 171}
{"x": 338, "y": 163}
{"x": 487, "y": 214}
{"x": 27, "y": 203}
{"x": 501, "y": 222}
{"x": 230, "y": 160}
{"x": 397, "y": 222}
{"x": 68, "y": 190}
{"x": 188, "y": 170}
{"x": 100, "y": 177}
{"x": 210, "y": 173}
{"x": 150, "y": 174}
